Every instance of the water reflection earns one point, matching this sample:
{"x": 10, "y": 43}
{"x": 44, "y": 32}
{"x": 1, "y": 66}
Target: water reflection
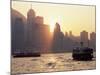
{"x": 50, "y": 63}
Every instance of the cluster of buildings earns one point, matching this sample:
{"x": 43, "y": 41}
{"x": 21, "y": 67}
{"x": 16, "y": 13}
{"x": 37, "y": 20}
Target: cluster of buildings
{"x": 66, "y": 42}
{"x": 32, "y": 34}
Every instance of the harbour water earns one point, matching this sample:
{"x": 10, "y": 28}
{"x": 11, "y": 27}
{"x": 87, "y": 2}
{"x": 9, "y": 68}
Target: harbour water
{"x": 49, "y": 63}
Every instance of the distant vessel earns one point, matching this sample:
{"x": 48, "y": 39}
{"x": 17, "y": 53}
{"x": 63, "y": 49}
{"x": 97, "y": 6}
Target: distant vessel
{"x": 26, "y": 54}
{"x": 82, "y": 53}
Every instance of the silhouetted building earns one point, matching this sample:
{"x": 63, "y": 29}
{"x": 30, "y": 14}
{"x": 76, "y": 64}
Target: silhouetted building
{"x": 70, "y": 34}
{"x": 93, "y": 36}
{"x": 68, "y": 42}
{"x": 93, "y": 40}
{"x": 58, "y": 37}
{"x": 30, "y": 28}
{"x": 84, "y": 38}
{"x": 18, "y": 23}
{"x": 43, "y": 37}
{"x": 17, "y": 34}
{"x": 66, "y": 34}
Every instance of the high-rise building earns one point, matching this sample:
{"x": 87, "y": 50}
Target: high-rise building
{"x": 57, "y": 28}
{"x": 58, "y": 37}
{"x": 30, "y": 15}
{"x": 43, "y": 37}
{"x": 18, "y": 34}
{"x": 30, "y": 27}
{"x": 84, "y": 38}
{"x": 70, "y": 34}
{"x": 93, "y": 40}
{"x": 93, "y": 36}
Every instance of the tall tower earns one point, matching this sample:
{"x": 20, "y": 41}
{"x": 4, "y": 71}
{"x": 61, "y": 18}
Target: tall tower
{"x": 18, "y": 34}
{"x": 58, "y": 36}
{"x": 84, "y": 38}
{"x": 70, "y": 35}
{"x": 93, "y": 40}
{"x": 57, "y": 28}
{"x": 30, "y": 26}
{"x": 31, "y": 17}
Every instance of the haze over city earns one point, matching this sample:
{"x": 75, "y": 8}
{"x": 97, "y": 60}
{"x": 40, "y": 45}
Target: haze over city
{"x": 58, "y": 34}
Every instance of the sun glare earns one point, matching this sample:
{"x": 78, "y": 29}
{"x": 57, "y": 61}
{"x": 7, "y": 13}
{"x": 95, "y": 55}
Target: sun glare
{"x": 52, "y": 25}
{"x": 53, "y": 21}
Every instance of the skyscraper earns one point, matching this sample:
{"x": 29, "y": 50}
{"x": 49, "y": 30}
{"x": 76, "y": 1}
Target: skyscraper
{"x": 93, "y": 36}
{"x": 70, "y": 34}
{"x": 58, "y": 37}
{"x": 84, "y": 38}
{"x": 18, "y": 34}
{"x": 93, "y": 40}
{"x": 30, "y": 27}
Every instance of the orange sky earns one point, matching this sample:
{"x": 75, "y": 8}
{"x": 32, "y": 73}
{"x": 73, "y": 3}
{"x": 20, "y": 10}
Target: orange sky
{"x": 71, "y": 17}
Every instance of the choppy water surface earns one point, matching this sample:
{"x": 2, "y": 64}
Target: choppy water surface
{"x": 50, "y": 63}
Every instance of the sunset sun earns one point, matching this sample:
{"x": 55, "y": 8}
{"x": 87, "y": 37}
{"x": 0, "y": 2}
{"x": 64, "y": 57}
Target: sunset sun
{"x": 52, "y": 25}
{"x": 53, "y": 21}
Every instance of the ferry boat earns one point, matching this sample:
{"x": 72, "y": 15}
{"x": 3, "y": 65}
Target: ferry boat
{"x": 82, "y": 53}
{"x": 26, "y": 54}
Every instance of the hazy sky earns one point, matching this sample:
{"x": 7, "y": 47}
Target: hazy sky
{"x": 70, "y": 17}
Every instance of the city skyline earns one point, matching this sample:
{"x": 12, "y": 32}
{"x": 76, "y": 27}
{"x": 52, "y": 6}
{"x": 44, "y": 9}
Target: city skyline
{"x": 50, "y": 37}
{"x": 83, "y": 17}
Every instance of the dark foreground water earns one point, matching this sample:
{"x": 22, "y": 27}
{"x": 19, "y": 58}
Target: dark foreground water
{"x": 49, "y": 63}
